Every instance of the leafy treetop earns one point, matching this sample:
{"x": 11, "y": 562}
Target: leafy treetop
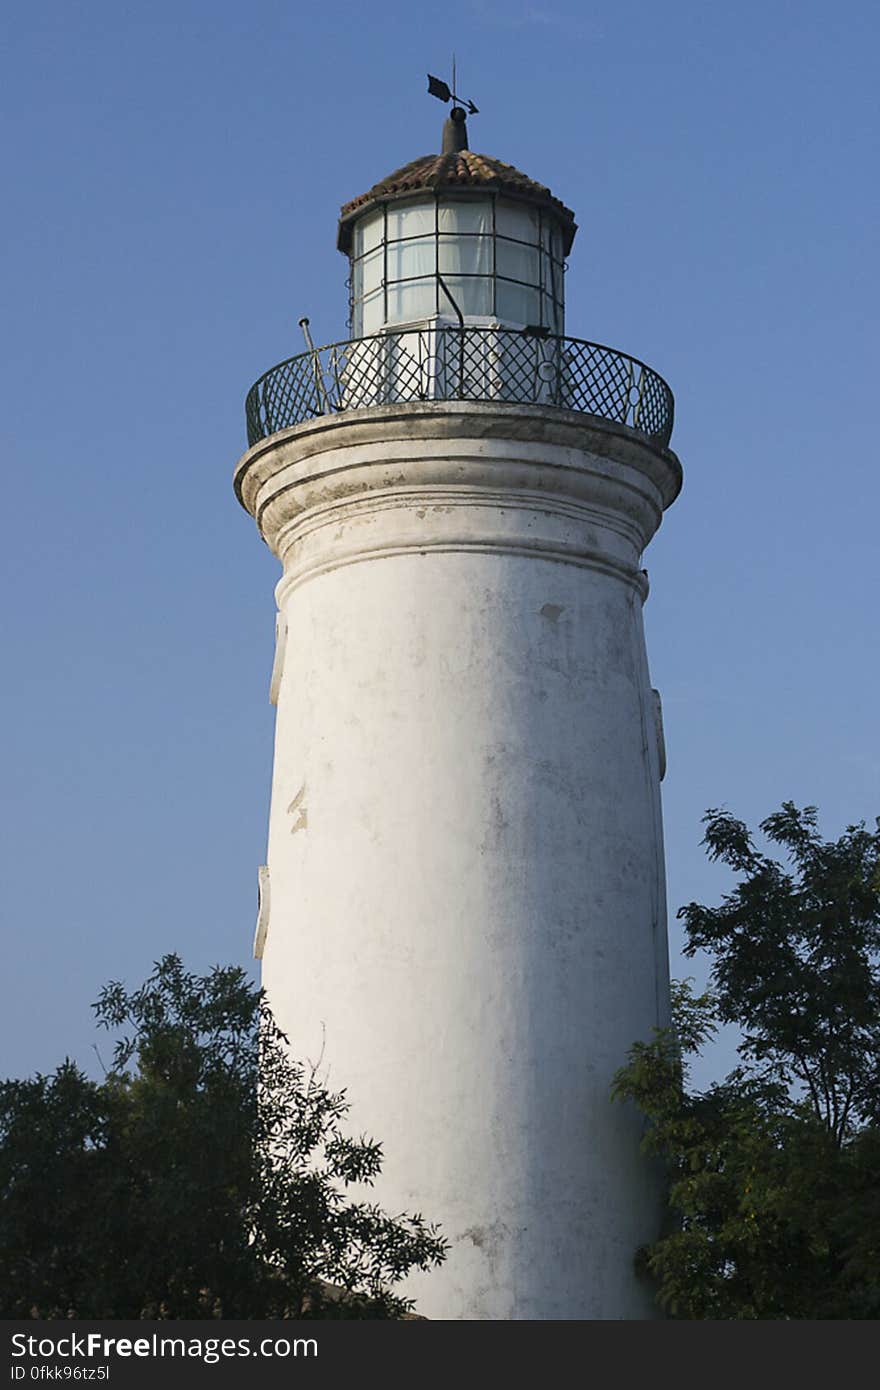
{"x": 208, "y": 1175}
{"x": 774, "y": 1173}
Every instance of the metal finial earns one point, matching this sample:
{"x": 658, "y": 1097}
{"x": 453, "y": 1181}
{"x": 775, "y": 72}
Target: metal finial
{"x": 455, "y": 127}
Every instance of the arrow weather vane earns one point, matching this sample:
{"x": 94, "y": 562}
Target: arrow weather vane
{"x": 439, "y": 89}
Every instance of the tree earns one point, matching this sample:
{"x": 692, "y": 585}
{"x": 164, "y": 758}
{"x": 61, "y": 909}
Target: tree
{"x": 206, "y": 1176}
{"x": 774, "y": 1173}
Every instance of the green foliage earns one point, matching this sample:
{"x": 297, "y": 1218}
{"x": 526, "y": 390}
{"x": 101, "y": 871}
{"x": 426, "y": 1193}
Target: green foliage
{"x": 795, "y": 957}
{"x": 774, "y": 1174}
{"x": 180, "y": 1187}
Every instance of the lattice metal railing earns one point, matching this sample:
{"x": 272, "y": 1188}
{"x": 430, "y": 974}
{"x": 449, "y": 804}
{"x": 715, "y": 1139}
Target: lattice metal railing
{"x": 453, "y": 364}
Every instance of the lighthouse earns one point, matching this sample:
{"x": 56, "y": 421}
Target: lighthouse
{"x": 462, "y": 913}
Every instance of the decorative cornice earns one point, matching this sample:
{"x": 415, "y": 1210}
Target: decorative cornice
{"x": 457, "y": 477}
{"x": 466, "y": 420}
{"x": 404, "y": 521}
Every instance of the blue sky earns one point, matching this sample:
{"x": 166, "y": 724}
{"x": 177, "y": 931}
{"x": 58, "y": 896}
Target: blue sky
{"x": 173, "y": 178}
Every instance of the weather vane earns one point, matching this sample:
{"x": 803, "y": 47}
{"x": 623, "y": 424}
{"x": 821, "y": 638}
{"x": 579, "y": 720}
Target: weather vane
{"x": 439, "y": 89}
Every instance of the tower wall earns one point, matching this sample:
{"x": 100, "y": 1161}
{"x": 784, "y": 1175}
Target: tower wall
{"x": 467, "y": 925}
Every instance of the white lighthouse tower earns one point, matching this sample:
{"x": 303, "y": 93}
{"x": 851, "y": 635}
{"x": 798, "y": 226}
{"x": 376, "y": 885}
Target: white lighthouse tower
{"x": 462, "y": 917}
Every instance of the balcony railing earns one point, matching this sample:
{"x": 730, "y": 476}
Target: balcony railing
{"x": 518, "y": 367}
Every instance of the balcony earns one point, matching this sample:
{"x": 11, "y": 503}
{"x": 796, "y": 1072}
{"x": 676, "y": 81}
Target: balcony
{"x": 441, "y": 363}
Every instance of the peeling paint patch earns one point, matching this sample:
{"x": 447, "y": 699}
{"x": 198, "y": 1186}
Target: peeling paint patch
{"x": 495, "y": 827}
{"x": 487, "y": 1239}
{"x": 552, "y": 611}
{"x": 478, "y": 1235}
{"x": 299, "y": 810}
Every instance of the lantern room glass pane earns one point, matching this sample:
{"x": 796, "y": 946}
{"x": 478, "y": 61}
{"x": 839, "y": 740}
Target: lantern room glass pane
{"x": 551, "y": 239}
{"x": 368, "y": 233}
{"x": 371, "y": 313}
{"x": 517, "y": 303}
{"x": 412, "y": 299}
{"x": 407, "y": 259}
{"x": 410, "y": 219}
{"x": 472, "y": 295}
{"x": 465, "y": 255}
{"x": 552, "y": 276}
{"x": 465, "y": 215}
{"x": 552, "y": 315}
{"x": 370, "y": 269}
{"x": 517, "y": 262}
{"x": 517, "y": 220}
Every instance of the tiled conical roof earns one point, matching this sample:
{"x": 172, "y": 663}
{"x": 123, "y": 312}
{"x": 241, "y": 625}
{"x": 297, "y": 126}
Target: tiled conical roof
{"x": 463, "y": 169}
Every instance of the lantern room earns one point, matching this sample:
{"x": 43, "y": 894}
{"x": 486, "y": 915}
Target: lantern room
{"x": 456, "y": 237}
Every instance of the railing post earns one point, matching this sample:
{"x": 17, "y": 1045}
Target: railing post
{"x": 320, "y": 388}
{"x": 637, "y": 408}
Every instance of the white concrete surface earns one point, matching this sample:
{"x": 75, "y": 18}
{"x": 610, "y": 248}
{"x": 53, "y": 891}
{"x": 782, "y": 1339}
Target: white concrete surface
{"x": 467, "y": 924}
